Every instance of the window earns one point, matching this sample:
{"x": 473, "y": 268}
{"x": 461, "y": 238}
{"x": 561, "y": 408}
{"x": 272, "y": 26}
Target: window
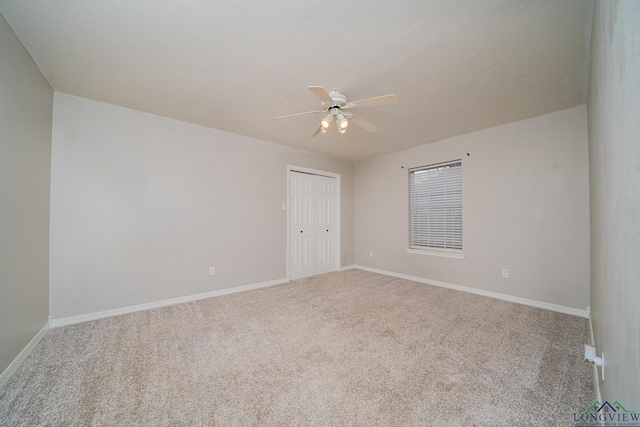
{"x": 435, "y": 207}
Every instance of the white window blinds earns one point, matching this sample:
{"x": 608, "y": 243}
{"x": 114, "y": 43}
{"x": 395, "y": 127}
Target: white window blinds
{"x": 435, "y": 207}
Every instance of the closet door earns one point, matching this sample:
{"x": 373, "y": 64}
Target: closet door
{"x": 302, "y": 225}
{"x": 325, "y": 224}
{"x": 314, "y": 218}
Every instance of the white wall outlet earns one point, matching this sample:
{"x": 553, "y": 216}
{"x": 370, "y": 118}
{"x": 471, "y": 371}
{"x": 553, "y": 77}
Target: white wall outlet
{"x": 505, "y": 273}
{"x": 370, "y": 254}
{"x": 212, "y": 271}
{"x": 284, "y": 206}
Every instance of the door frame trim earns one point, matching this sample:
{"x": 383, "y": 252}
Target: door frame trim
{"x": 293, "y": 168}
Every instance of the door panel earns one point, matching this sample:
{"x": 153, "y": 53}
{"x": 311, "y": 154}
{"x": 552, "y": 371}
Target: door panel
{"x": 302, "y": 225}
{"x": 325, "y": 228}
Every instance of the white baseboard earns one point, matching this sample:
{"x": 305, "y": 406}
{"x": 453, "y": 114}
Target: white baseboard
{"x": 347, "y": 267}
{"x": 496, "y": 295}
{"x": 64, "y": 321}
{"x": 20, "y": 358}
{"x": 596, "y": 380}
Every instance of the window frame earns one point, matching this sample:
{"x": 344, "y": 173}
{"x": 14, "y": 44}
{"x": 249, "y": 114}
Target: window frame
{"x": 434, "y": 250}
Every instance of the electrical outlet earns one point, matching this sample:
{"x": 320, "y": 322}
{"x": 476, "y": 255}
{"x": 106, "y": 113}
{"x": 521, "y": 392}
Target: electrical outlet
{"x": 212, "y": 271}
{"x": 505, "y": 273}
{"x": 370, "y": 254}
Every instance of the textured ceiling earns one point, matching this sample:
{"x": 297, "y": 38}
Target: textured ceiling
{"x": 456, "y": 66}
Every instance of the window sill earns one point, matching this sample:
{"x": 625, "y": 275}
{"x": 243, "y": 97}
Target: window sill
{"x": 445, "y": 254}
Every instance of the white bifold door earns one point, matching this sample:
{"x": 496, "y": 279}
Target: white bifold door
{"x": 314, "y": 214}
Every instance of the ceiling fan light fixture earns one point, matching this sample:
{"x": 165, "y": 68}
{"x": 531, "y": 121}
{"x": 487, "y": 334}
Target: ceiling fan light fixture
{"x": 342, "y": 122}
{"x": 326, "y": 122}
{"x": 342, "y": 130}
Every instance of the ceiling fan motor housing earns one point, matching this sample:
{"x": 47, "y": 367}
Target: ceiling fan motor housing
{"x": 338, "y": 99}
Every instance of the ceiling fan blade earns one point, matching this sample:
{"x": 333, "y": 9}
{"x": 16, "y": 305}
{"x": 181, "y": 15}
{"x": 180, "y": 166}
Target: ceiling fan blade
{"x": 321, "y": 93}
{"x": 298, "y": 114}
{"x": 317, "y": 131}
{"x": 377, "y": 100}
{"x": 364, "y": 124}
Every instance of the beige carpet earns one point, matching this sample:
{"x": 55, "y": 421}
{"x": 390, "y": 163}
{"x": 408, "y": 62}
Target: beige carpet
{"x": 349, "y": 348}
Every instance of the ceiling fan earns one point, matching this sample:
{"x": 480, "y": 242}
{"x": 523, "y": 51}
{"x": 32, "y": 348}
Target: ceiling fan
{"x": 336, "y": 109}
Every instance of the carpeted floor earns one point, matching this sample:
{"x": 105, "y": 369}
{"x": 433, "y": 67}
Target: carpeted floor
{"x": 348, "y": 348}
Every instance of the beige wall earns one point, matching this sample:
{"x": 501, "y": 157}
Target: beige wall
{"x": 25, "y": 154}
{"x": 525, "y": 202}
{"x": 142, "y": 206}
{"x": 614, "y": 151}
